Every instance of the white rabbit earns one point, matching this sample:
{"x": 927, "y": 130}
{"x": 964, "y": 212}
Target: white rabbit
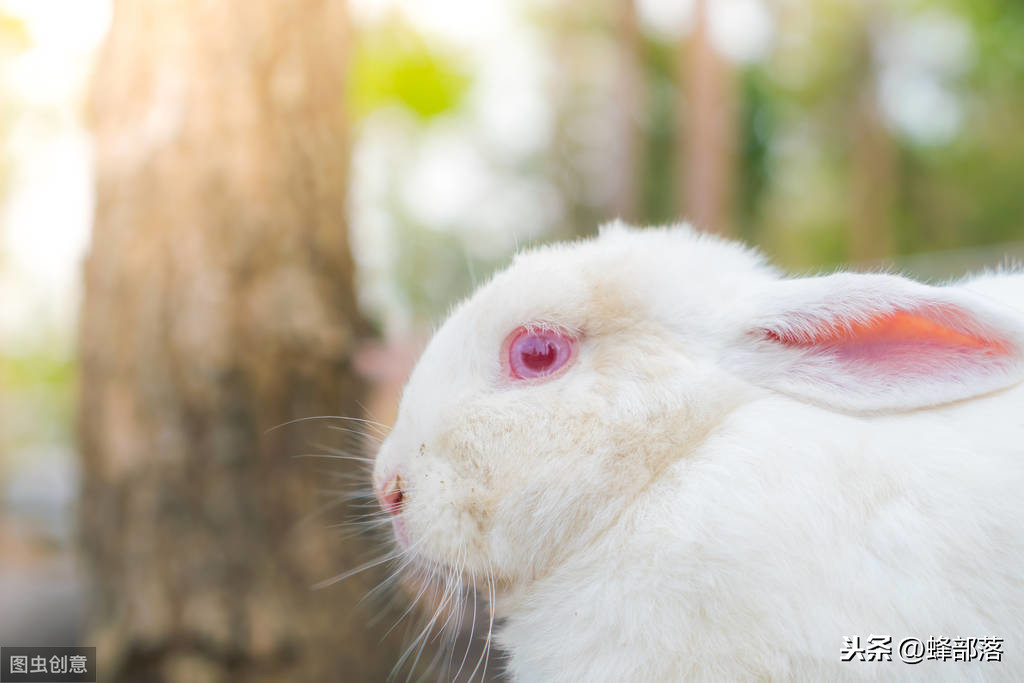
{"x": 669, "y": 462}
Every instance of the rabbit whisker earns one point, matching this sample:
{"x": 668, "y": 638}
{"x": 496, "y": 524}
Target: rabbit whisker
{"x": 382, "y": 428}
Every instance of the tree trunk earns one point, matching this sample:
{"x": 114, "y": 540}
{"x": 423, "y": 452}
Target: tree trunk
{"x": 709, "y": 125}
{"x": 629, "y": 95}
{"x": 219, "y": 303}
{"x": 874, "y": 172}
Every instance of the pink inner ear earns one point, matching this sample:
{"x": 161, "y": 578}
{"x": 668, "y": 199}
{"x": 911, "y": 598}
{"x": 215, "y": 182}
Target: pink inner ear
{"x": 904, "y": 340}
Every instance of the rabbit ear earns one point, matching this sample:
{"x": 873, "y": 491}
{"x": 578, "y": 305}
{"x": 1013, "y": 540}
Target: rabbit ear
{"x": 879, "y": 342}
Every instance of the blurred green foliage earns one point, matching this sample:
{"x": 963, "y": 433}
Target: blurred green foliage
{"x": 949, "y": 194}
{"x": 392, "y": 65}
{"x": 42, "y": 368}
{"x": 36, "y": 401}
{"x": 799, "y": 131}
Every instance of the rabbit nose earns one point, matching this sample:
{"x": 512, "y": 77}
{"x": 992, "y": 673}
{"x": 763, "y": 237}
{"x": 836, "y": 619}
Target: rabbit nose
{"x": 391, "y": 495}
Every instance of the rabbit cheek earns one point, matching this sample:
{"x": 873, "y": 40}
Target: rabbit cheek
{"x": 445, "y": 512}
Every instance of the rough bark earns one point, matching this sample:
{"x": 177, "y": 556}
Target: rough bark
{"x": 219, "y": 303}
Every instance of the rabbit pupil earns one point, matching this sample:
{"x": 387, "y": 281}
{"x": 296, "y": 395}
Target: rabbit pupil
{"x": 538, "y": 354}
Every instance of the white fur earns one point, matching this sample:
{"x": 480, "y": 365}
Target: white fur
{"x": 689, "y": 501}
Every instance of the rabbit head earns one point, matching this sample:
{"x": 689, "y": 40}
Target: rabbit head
{"x": 554, "y": 396}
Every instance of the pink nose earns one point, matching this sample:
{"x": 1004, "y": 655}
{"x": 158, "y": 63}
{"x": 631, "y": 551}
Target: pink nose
{"x": 391, "y": 495}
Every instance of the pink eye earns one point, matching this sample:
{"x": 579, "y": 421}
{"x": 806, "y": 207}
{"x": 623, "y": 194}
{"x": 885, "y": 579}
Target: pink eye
{"x": 538, "y": 352}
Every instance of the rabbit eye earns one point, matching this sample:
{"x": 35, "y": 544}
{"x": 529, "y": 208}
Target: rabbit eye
{"x": 538, "y": 352}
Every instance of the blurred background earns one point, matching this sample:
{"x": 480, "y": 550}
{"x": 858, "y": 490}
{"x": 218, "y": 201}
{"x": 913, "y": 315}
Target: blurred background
{"x": 278, "y": 198}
